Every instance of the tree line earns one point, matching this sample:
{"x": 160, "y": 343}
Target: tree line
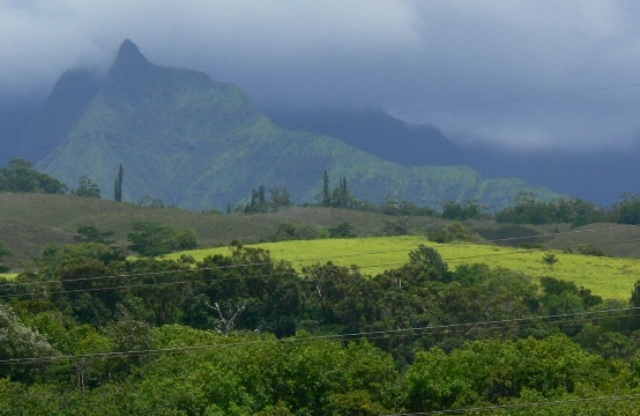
{"x": 22, "y": 177}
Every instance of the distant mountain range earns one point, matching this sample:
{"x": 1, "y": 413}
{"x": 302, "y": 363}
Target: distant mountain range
{"x": 200, "y": 144}
{"x": 379, "y": 134}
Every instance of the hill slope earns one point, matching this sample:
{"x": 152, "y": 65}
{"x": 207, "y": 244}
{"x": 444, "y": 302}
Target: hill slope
{"x": 28, "y": 222}
{"x": 200, "y": 144}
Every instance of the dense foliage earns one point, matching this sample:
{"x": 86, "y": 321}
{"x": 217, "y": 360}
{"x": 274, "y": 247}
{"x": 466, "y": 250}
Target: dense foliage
{"x": 151, "y": 239}
{"x": 4, "y": 252}
{"x": 93, "y": 331}
{"x": 20, "y": 176}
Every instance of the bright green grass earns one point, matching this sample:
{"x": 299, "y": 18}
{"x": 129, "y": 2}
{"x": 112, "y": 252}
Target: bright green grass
{"x": 9, "y": 276}
{"x": 611, "y": 278}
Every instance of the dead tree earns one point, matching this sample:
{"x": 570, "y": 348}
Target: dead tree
{"x": 226, "y": 323}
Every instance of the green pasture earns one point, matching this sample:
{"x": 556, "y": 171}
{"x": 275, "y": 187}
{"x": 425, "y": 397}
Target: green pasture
{"x": 611, "y": 278}
{"x": 9, "y": 276}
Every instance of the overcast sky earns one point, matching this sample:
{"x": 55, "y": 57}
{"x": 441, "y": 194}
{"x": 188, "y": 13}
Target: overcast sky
{"x": 420, "y": 60}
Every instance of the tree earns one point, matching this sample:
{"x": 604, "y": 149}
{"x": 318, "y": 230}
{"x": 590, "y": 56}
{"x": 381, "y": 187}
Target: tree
{"x": 19, "y": 341}
{"x": 591, "y": 250}
{"x": 280, "y": 198}
{"x": 3, "y": 252}
{"x": 490, "y": 372}
{"x": 341, "y": 197}
{"x": 226, "y": 323}
{"x": 456, "y": 231}
{"x": 326, "y": 195}
{"x": 457, "y": 211}
{"x": 426, "y": 264}
{"x": 117, "y": 189}
{"x": 128, "y": 335}
{"x": 151, "y": 239}
{"x": 550, "y": 259}
{"x": 86, "y": 188}
{"x": 397, "y": 227}
{"x": 635, "y": 303}
{"x": 20, "y": 176}
{"x": 186, "y": 239}
{"x": 258, "y": 202}
{"x": 627, "y": 211}
{"x": 91, "y": 234}
{"x": 342, "y": 230}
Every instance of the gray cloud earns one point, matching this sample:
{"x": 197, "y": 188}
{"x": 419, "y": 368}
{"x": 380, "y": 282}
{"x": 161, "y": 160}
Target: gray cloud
{"x": 402, "y": 56}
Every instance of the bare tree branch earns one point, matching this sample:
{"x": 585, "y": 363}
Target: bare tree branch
{"x": 226, "y": 324}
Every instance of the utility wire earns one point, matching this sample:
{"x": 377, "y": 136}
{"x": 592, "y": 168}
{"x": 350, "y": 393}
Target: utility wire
{"x": 127, "y": 285}
{"x": 247, "y": 265}
{"x": 517, "y": 99}
{"x": 576, "y": 316}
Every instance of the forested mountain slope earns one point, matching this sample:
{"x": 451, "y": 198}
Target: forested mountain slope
{"x": 379, "y": 134}
{"x": 200, "y": 144}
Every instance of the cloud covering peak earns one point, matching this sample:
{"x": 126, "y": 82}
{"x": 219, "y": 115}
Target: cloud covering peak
{"x": 403, "y": 56}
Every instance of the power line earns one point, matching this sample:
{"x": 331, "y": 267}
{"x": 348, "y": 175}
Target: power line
{"x": 126, "y": 285}
{"x": 413, "y": 331}
{"x": 518, "y": 99}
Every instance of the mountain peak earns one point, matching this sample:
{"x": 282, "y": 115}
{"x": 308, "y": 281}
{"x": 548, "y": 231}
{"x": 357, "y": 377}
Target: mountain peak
{"x": 129, "y": 59}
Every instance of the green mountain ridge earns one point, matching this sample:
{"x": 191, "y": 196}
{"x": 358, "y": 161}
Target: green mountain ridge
{"x": 199, "y": 144}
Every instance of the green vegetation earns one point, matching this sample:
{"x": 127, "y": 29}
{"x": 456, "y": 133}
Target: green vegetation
{"x": 183, "y": 115}
{"x": 244, "y": 334}
{"x": 456, "y": 231}
{"x": 627, "y": 211}
{"x": 86, "y": 188}
{"x": 20, "y": 176}
{"x": 550, "y": 259}
{"x": 430, "y": 318}
{"x": 3, "y": 253}
{"x": 452, "y": 210}
{"x": 279, "y": 198}
{"x": 117, "y": 187}
{"x": 151, "y": 239}
{"x": 611, "y": 278}
{"x": 91, "y": 234}
{"x": 342, "y": 230}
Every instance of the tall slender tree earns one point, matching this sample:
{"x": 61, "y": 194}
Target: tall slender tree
{"x": 326, "y": 195}
{"x": 117, "y": 189}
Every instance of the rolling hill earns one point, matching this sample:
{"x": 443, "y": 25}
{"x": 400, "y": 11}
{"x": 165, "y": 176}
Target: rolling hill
{"x": 28, "y": 222}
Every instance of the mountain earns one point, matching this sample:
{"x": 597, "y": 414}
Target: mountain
{"x": 14, "y": 121}
{"x": 55, "y": 121}
{"x": 199, "y": 144}
{"x": 379, "y": 134}
{"x": 601, "y": 176}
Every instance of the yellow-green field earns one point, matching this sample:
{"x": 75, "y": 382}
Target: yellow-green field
{"x": 612, "y": 278}
{"x": 9, "y": 276}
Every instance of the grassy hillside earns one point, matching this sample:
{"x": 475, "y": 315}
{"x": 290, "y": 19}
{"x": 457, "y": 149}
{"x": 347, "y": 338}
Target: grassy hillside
{"x": 30, "y": 221}
{"x": 620, "y": 240}
{"x": 612, "y": 278}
